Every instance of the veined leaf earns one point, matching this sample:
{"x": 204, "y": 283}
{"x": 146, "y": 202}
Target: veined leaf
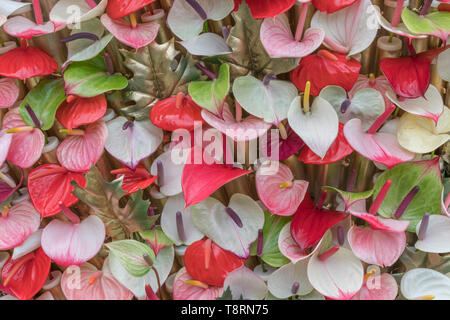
{"x": 350, "y": 197}
{"x": 104, "y": 197}
{"x": 131, "y": 255}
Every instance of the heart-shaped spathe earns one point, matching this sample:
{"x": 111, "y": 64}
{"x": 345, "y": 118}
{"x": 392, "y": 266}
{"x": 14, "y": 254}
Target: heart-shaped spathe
{"x": 134, "y": 180}
{"x": 81, "y": 111}
{"x": 184, "y": 291}
{"x": 9, "y": 92}
{"x": 419, "y": 283}
{"x": 245, "y": 284}
{"x": 437, "y": 235}
{"x": 71, "y": 244}
{"x": 278, "y": 192}
{"x": 266, "y": 8}
{"x": 330, "y": 6}
{"x": 21, "y": 27}
{"x": 282, "y": 281}
{"x": 234, "y": 231}
{"x": 378, "y": 287}
{"x": 207, "y": 44}
{"x": 62, "y": 15}
{"x": 317, "y": 128}
{"x": 277, "y": 39}
{"x": 381, "y": 84}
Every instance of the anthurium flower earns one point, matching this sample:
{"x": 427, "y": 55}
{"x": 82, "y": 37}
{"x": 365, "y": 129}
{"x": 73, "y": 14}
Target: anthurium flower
{"x": 207, "y": 44}
{"x": 277, "y": 39}
{"x": 279, "y": 192}
{"x": 74, "y": 242}
{"x": 21, "y": 27}
{"x": 177, "y": 223}
{"x": 337, "y": 151}
{"x": 177, "y": 112}
{"x": 317, "y": 125}
{"x": 234, "y": 227}
{"x": 26, "y": 143}
{"x": 49, "y": 185}
{"x": 366, "y": 104}
{"x": 443, "y": 65}
{"x": 382, "y": 243}
{"x": 347, "y": 275}
{"x": 381, "y": 147}
{"x": 282, "y": 148}
{"x": 433, "y": 233}
{"x": 348, "y": 30}
{"x": 245, "y": 283}
{"x": 26, "y": 62}
{"x": 32, "y": 243}
{"x": 208, "y": 263}
{"x": 377, "y": 286}
{"x": 77, "y": 111}
{"x": 410, "y": 76}
{"x": 186, "y": 17}
{"x": 199, "y": 181}
{"x": 162, "y": 264}
{"x": 10, "y": 7}
{"x": 140, "y": 178}
{"x": 24, "y": 277}
{"x": 117, "y": 9}
{"x": 421, "y": 135}
{"x": 434, "y": 23}
{"x": 430, "y": 106}
{"x": 131, "y": 141}
{"x": 17, "y": 223}
{"x": 89, "y": 9}
{"x": 425, "y": 284}
{"x": 291, "y": 279}
{"x": 269, "y": 99}
{"x": 381, "y": 84}
{"x": 9, "y": 92}
{"x": 396, "y": 26}
{"x": 187, "y": 288}
{"x": 325, "y": 69}
{"x": 266, "y": 8}
{"x": 94, "y": 284}
{"x": 310, "y": 223}
{"x": 246, "y": 129}
{"x": 8, "y": 186}
{"x": 330, "y": 6}
{"x": 133, "y": 35}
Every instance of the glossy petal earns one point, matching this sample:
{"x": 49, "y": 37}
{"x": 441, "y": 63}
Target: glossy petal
{"x": 378, "y": 287}
{"x": 437, "y": 235}
{"x": 380, "y": 147}
{"x": 268, "y": 8}
{"x": 282, "y": 148}
{"x": 134, "y": 180}
{"x": 277, "y": 39}
{"x": 5, "y": 143}
{"x": 443, "y": 65}
{"x": 9, "y": 93}
{"x": 422, "y": 282}
{"x": 207, "y": 44}
{"x": 183, "y": 291}
{"x": 61, "y": 13}
{"x": 280, "y": 201}
{"x": 81, "y": 111}
{"x": 381, "y": 84}
{"x": 330, "y": 6}
{"x": 281, "y": 281}
{"x": 22, "y": 220}
{"x": 117, "y": 9}
{"x": 289, "y": 248}
{"x": 21, "y": 27}
{"x": 246, "y": 284}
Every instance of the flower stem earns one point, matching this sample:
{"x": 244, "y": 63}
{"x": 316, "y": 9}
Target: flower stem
{"x": 69, "y": 214}
{"x": 91, "y": 3}
{"x": 398, "y": 13}
{"x": 301, "y": 21}
{"x": 205, "y": 71}
{"x": 38, "y": 12}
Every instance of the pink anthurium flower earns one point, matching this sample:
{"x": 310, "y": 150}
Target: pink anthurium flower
{"x": 381, "y": 84}
{"x": 27, "y": 142}
{"x": 278, "y": 191}
{"x": 382, "y": 243}
{"x": 73, "y": 243}
{"x": 187, "y": 288}
{"x": 61, "y": 14}
{"x": 94, "y": 284}
{"x": 336, "y": 273}
{"x": 380, "y": 147}
{"x": 277, "y": 39}
{"x": 21, "y": 27}
{"x": 9, "y": 92}
{"x": 80, "y": 151}
{"x": 246, "y": 129}
{"x": 17, "y": 223}
{"x": 135, "y": 35}
{"x": 377, "y": 286}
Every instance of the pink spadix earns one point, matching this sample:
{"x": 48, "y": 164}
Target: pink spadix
{"x": 380, "y": 198}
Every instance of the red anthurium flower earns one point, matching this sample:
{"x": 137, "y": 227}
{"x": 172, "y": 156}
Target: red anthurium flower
{"x": 325, "y": 69}
{"x": 25, "y": 276}
{"x": 177, "y": 112}
{"x": 134, "y": 180}
{"x": 117, "y": 9}
{"x": 266, "y": 8}
{"x": 330, "y": 6}
{"x": 338, "y": 150}
{"x": 49, "y": 185}
{"x": 410, "y": 76}
{"x": 286, "y": 147}
{"x": 210, "y": 264}
{"x": 311, "y": 222}
{"x": 26, "y": 62}
{"x": 200, "y": 180}
{"x": 77, "y": 111}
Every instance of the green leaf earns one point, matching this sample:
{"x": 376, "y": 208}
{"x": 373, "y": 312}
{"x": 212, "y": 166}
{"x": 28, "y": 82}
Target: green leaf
{"x": 156, "y": 75}
{"x": 271, "y": 231}
{"x": 90, "y": 78}
{"x": 211, "y": 94}
{"x": 104, "y": 197}
{"x": 435, "y": 23}
{"x": 350, "y": 197}
{"x": 249, "y": 55}
{"x": 404, "y": 177}
{"x": 131, "y": 255}
{"x": 156, "y": 238}
{"x": 44, "y": 99}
